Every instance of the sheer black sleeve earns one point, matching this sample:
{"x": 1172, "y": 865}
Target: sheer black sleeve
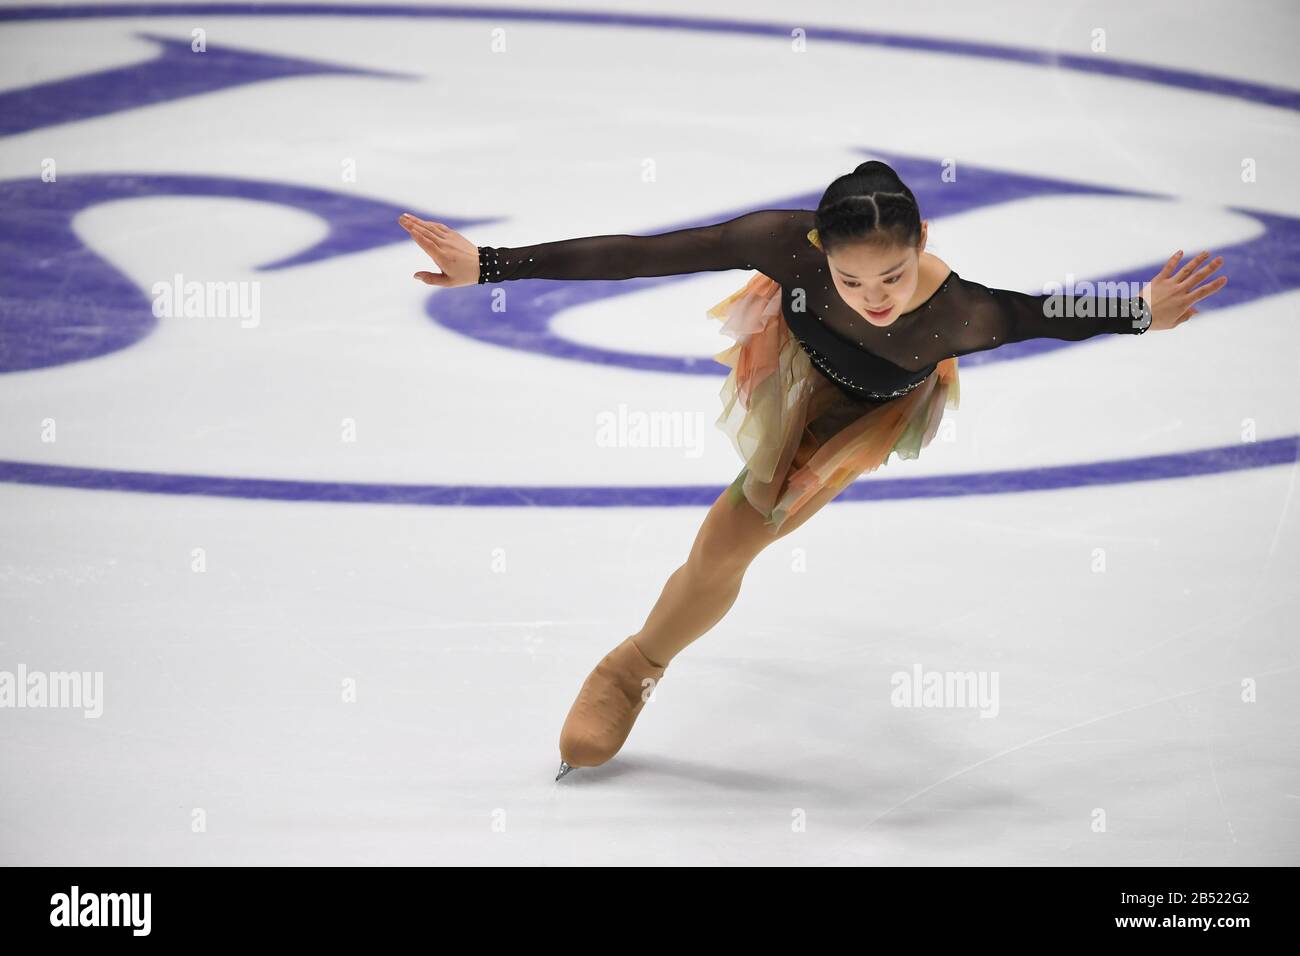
{"x": 746, "y": 242}
{"x": 993, "y": 317}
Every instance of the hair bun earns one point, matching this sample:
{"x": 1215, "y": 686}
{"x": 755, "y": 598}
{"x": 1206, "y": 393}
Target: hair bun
{"x": 871, "y": 202}
{"x": 872, "y": 166}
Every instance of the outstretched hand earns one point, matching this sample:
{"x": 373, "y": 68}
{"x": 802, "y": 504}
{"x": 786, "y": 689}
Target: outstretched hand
{"x": 1171, "y": 294}
{"x": 449, "y": 250}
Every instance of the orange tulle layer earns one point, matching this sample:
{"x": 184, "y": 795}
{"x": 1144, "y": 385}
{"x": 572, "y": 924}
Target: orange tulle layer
{"x": 796, "y": 431}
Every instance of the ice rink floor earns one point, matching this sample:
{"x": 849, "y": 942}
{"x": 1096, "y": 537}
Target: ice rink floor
{"x": 341, "y": 562}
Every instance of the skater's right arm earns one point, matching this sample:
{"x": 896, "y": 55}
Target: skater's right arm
{"x": 750, "y": 241}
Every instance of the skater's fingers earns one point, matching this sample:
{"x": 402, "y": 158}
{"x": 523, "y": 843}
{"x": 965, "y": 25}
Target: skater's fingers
{"x": 429, "y": 235}
{"x": 407, "y": 223}
{"x": 1190, "y": 267}
{"x": 413, "y": 225}
{"x": 1168, "y": 270}
{"x": 425, "y": 240}
{"x": 439, "y": 229}
{"x": 425, "y": 243}
{"x": 1209, "y": 289}
{"x": 1206, "y": 271}
{"x": 432, "y": 278}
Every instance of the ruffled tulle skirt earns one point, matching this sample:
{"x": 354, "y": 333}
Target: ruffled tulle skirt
{"x": 796, "y": 431}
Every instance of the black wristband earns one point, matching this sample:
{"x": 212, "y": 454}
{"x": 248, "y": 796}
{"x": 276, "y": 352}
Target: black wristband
{"x": 1142, "y": 311}
{"x": 489, "y": 266}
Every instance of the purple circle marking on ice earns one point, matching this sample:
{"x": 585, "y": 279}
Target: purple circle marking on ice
{"x": 65, "y": 101}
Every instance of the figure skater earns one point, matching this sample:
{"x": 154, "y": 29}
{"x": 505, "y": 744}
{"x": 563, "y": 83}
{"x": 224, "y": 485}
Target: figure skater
{"x": 846, "y": 348}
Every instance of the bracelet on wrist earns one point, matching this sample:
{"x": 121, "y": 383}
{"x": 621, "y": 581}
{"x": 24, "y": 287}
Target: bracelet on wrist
{"x": 1142, "y": 311}
{"x": 489, "y": 266}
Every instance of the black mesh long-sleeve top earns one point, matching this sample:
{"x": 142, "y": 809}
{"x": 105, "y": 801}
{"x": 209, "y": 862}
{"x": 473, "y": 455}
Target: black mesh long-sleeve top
{"x": 866, "y": 361}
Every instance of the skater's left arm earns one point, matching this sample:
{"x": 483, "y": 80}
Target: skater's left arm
{"x": 994, "y": 317}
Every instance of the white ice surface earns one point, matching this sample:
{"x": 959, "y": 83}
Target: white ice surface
{"x": 467, "y": 631}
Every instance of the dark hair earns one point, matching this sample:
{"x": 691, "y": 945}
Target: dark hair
{"x": 870, "y": 204}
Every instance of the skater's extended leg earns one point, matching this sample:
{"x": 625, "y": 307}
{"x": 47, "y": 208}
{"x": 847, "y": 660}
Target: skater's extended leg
{"x": 700, "y": 592}
{"x": 695, "y": 598}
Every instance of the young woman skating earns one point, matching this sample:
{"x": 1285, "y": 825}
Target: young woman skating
{"x": 846, "y": 350}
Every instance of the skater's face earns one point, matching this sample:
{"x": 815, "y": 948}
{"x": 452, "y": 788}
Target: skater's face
{"x": 877, "y": 281}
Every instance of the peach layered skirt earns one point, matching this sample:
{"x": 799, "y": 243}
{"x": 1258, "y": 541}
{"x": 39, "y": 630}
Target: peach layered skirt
{"x": 796, "y": 431}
